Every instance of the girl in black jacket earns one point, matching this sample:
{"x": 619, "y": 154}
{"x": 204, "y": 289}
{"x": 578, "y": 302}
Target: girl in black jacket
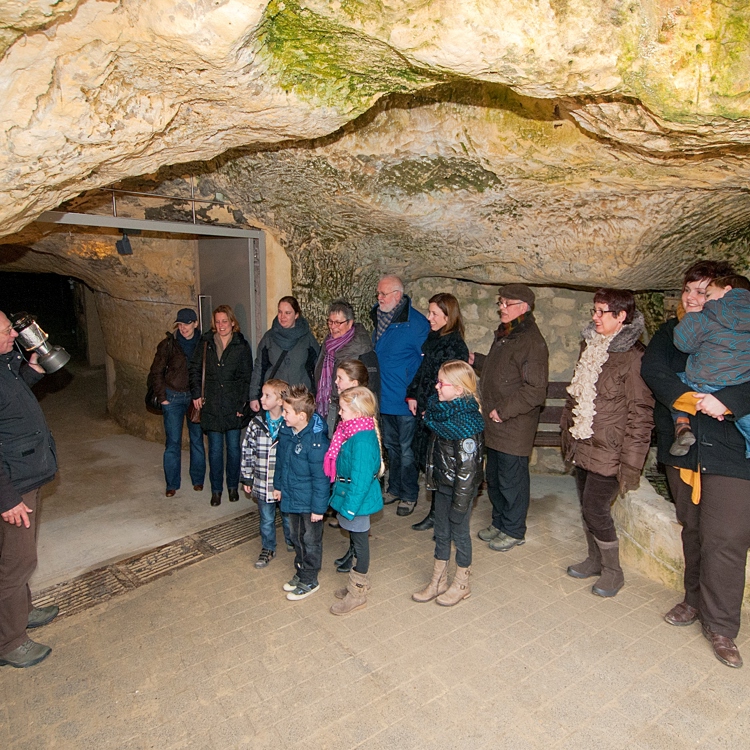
{"x": 454, "y": 471}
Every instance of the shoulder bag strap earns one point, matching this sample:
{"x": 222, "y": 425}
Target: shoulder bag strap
{"x": 203, "y": 373}
{"x": 276, "y": 366}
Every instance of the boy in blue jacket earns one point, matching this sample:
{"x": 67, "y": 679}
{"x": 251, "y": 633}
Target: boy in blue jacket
{"x": 302, "y": 486}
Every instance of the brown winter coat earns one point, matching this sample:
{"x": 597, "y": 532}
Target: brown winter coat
{"x": 624, "y": 409}
{"x": 513, "y": 380}
{"x": 169, "y": 368}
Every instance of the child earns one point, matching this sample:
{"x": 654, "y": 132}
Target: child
{"x": 258, "y": 463}
{"x": 302, "y": 487}
{"x": 354, "y": 464}
{"x": 718, "y": 342}
{"x": 454, "y": 471}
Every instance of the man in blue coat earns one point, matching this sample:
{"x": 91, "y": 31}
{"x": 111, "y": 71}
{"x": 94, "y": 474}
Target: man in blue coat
{"x": 27, "y": 461}
{"x": 398, "y": 334}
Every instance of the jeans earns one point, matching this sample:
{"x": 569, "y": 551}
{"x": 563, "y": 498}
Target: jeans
{"x": 451, "y": 527}
{"x": 174, "y": 415}
{"x": 403, "y": 475}
{"x": 307, "y": 538}
{"x": 268, "y": 525}
{"x": 509, "y": 489}
{"x": 216, "y": 459}
{"x": 741, "y": 423}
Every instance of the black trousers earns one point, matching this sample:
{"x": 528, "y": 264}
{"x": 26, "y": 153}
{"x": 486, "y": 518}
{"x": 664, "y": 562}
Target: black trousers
{"x": 509, "y": 489}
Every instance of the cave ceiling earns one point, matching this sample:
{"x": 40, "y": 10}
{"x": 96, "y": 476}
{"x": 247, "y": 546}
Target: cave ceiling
{"x": 575, "y": 142}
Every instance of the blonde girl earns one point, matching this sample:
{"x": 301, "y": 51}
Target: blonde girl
{"x": 354, "y": 464}
{"x": 454, "y": 472}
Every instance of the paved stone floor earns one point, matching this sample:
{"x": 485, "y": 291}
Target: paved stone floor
{"x": 214, "y": 656}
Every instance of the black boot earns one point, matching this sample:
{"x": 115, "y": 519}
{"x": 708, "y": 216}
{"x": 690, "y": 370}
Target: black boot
{"x": 346, "y": 563}
{"x": 216, "y": 498}
{"x": 428, "y": 521}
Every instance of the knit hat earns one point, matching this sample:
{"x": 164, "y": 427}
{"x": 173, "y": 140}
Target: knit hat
{"x": 186, "y": 315}
{"x": 518, "y": 291}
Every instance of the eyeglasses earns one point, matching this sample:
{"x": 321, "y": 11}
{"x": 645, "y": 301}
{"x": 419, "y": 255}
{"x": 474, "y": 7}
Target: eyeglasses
{"x": 336, "y": 323}
{"x": 600, "y": 313}
{"x": 385, "y": 294}
{"x": 7, "y": 331}
{"x": 504, "y": 303}
{"x": 441, "y": 384}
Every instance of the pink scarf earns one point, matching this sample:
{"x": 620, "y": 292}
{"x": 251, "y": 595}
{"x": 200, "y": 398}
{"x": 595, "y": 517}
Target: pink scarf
{"x": 325, "y": 383}
{"x": 344, "y": 431}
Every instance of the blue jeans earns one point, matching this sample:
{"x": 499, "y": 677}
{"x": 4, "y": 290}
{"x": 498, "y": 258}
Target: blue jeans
{"x": 174, "y": 415}
{"x": 307, "y": 538}
{"x": 216, "y": 442}
{"x": 403, "y": 474}
{"x": 742, "y": 424}
{"x": 268, "y": 525}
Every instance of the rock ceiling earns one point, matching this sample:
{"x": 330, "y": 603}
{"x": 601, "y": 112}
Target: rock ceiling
{"x": 569, "y": 142}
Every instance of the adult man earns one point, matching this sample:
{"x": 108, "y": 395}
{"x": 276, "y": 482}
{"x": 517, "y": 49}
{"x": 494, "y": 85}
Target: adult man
{"x": 346, "y": 340}
{"x": 513, "y": 386}
{"x": 399, "y": 332}
{"x": 27, "y": 461}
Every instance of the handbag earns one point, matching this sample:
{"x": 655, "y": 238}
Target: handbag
{"x": 193, "y": 414}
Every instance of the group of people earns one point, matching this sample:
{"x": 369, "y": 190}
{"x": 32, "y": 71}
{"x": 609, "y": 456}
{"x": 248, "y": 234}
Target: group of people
{"x": 306, "y": 429}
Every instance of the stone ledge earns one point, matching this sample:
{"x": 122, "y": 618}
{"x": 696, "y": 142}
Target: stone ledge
{"x": 650, "y": 537}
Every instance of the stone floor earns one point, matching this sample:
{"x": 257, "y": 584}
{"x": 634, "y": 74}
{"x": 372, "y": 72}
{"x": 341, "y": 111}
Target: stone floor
{"x": 214, "y": 656}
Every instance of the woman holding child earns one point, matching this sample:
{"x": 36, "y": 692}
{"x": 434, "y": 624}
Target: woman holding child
{"x": 710, "y": 484}
{"x": 354, "y": 465}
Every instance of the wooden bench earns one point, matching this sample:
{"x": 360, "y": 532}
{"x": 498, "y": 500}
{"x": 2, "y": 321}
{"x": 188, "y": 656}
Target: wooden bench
{"x": 548, "y": 430}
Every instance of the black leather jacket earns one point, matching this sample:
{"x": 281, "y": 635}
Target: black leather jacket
{"x": 456, "y": 465}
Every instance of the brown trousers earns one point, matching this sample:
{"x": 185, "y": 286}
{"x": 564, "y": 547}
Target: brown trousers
{"x": 715, "y": 542}
{"x": 17, "y": 563}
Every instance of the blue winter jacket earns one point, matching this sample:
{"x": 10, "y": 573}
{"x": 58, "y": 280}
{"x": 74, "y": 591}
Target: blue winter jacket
{"x": 356, "y": 490}
{"x": 399, "y": 352}
{"x": 299, "y": 468}
{"x": 717, "y": 340}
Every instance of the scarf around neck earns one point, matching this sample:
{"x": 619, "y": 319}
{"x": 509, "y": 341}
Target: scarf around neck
{"x": 344, "y": 431}
{"x": 505, "y": 329}
{"x": 325, "y": 384}
{"x": 287, "y": 338}
{"x": 454, "y": 420}
{"x": 384, "y": 319}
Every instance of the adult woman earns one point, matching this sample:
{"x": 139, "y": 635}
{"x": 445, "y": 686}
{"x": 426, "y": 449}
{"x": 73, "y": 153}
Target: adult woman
{"x": 606, "y": 428}
{"x": 710, "y": 484}
{"x": 346, "y": 340}
{"x": 229, "y": 366}
{"x": 287, "y": 351}
{"x": 444, "y": 342}
{"x": 169, "y": 376}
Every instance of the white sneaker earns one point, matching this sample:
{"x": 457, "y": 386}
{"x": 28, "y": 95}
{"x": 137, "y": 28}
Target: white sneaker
{"x": 291, "y": 584}
{"x": 303, "y": 590}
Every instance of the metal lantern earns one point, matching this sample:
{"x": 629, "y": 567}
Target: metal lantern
{"x": 34, "y": 339}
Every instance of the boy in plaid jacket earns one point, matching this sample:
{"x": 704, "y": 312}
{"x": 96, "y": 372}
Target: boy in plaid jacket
{"x": 258, "y": 465}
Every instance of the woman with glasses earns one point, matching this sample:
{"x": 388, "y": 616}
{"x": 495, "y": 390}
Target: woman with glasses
{"x": 346, "y": 340}
{"x": 606, "y": 429}
{"x": 287, "y": 351}
{"x": 444, "y": 342}
{"x": 710, "y": 484}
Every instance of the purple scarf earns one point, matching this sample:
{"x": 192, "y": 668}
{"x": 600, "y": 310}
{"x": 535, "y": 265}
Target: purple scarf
{"x": 325, "y": 384}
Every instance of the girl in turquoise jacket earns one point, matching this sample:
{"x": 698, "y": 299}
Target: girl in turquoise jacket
{"x": 354, "y": 465}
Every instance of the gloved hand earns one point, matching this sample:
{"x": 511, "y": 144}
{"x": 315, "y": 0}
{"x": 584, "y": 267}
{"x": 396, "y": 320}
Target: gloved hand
{"x": 629, "y": 479}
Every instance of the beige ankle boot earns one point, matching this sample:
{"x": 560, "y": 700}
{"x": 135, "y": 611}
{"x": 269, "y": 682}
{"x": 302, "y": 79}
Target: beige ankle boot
{"x": 356, "y": 595}
{"x": 459, "y": 589}
{"x": 437, "y": 585}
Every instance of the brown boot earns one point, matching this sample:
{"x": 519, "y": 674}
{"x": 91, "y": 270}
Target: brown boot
{"x": 438, "y": 584}
{"x": 356, "y": 595}
{"x": 612, "y": 579}
{"x": 592, "y": 565}
{"x": 341, "y": 593}
{"x": 459, "y": 589}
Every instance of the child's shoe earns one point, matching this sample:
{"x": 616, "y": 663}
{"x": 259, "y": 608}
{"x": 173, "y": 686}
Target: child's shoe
{"x": 265, "y": 557}
{"x": 292, "y": 583}
{"x": 302, "y": 591}
{"x": 289, "y": 547}
{"x": 683, "y": 439}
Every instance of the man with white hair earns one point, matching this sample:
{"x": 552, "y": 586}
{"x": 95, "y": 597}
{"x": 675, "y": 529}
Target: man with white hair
{"x": 398, "y": 334}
